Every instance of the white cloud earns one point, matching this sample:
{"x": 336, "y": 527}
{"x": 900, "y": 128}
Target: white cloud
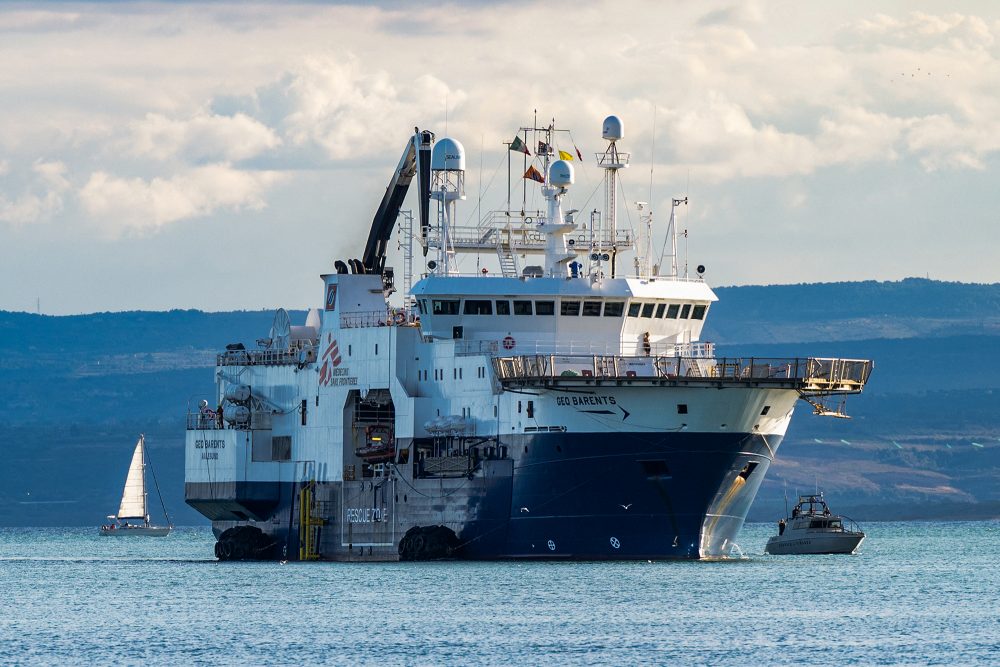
{"x": 921, "y": 32}
{"x": 134, "y": 204}
{"x": 854, "y": 135}
{"x": 42, "y": 198}
{"x": 39, "y": 20}
{"x": 202, "y": 137}
{"x": 740, "y": 14}
{"x": 717, "y": 140}
{"x": 942, "y": 142}
{"x": 351, "y": 109}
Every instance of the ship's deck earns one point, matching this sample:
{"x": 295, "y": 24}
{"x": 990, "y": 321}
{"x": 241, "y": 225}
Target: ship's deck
{"x": 808, "y": 375}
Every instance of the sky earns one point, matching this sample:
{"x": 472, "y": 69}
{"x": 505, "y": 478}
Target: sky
{"x": 222, "y": 155}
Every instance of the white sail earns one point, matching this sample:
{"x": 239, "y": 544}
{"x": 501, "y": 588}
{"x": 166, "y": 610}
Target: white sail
{"x": 134, "y": 496}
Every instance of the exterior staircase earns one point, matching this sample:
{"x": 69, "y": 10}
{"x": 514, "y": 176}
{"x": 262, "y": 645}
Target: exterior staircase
{"x": 508, "y": 263}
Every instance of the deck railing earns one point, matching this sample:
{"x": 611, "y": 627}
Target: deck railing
{"x": 266, "y": 357}
{"x": 810, "y": 373}
{"x": 260, "y": 420}
{"x": 386, "y": 317}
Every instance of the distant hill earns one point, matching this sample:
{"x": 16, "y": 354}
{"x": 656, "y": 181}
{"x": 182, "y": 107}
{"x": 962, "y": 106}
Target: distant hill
{"x": 924, "y": 441}
{"x": 909, "y": 308}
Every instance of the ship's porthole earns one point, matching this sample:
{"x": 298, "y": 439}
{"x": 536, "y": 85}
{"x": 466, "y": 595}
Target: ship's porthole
{"x": 397, "y": 497}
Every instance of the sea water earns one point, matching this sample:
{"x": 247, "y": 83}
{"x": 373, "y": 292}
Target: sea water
{"x": 917, "y": 593}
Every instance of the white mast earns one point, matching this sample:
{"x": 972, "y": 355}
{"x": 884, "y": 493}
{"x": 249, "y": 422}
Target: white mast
{"x": 611, "y": 161}
{"x": 672, "y": 234}
{"x": 556, "y": 226}
{"x": 643, "y": 250}
{"x": 447, "y": 186}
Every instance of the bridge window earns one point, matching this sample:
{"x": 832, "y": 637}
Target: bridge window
{"x": 477, "y": 307}
{"x": 633, "y": 309}
{"x": 614, "y": 308}
{"x": 591, "y": 308}
{"x": 682, "y": 408}
{"x": 569, "y": 308}
{"x": 445, "y": 306}
{"x": 420, "y": 307}
{"x": 545, "y": 308}
{"x": 522, "y": 308}
{"x": 672, "y": 311}
{"x": 503, "y": 307}
{"x": 685, "y": 311}
{"x": 698, "y": 312}
{"x": 659, "y": 310}
{"x": 647, "y": 309}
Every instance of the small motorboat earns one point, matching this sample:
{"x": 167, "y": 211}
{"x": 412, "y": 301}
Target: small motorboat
{"x": 813, "y": 529}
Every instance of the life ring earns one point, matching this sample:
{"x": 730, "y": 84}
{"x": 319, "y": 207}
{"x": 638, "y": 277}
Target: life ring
{"x": 399, "y": 319}
{"x": 528, "y": 220}
{"x": 509, "y": 343}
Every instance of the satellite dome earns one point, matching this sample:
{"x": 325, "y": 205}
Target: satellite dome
{"x": 448, "y": 155}
{"x": 561, "y": 174}
{"x": 613, "y": 128}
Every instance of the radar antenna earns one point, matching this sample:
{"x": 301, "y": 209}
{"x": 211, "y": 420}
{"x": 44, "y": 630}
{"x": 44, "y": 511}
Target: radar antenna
{"x": 281, "y": 329}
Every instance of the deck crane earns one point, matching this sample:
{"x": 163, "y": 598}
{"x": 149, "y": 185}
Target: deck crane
{"x": 416, "y": 161}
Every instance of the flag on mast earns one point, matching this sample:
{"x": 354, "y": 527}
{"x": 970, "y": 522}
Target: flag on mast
{"x": 578, "y": 154}
{"x": 563, "y": 155}
{"x": 518, "y": 145}
{"x": 534, "y": 174}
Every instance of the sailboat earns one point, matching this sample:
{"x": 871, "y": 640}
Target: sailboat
{"x": 133, "y": 506}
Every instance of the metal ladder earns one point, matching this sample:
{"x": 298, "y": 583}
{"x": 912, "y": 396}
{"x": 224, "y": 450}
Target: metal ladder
{"x": 508, "y": 263}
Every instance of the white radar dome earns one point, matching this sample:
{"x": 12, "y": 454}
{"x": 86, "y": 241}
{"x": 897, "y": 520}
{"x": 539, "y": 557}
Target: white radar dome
{"x": 448, "y": 155}
{"x": 561, "y": 174}
{"x": 613, "y": 128}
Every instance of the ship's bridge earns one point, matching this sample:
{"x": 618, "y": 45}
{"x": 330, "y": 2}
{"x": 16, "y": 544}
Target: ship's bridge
{"x": 566, "y": 315}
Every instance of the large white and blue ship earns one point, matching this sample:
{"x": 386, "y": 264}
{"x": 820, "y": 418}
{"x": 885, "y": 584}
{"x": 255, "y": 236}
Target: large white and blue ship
{"x": 557, "y": 405}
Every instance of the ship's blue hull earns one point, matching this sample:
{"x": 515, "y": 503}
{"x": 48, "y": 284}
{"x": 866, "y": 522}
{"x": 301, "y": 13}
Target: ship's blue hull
{"x": 623, "y": 496}
{"x": 581, "y": 496}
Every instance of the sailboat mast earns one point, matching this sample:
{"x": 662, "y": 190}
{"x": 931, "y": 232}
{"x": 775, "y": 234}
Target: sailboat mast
{"x": 145, "y": 503}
